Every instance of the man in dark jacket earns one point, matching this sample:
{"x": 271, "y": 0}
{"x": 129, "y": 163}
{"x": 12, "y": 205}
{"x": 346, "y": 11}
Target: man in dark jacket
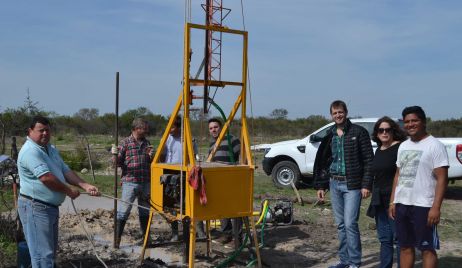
{"x": 343, "y": 165}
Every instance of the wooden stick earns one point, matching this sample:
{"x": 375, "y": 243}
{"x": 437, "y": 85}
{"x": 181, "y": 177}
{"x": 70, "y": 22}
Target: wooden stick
{"x": 296, "y": 193}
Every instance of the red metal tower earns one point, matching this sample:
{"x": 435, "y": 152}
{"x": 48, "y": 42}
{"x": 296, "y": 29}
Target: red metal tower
{"x": 215, "y": 13}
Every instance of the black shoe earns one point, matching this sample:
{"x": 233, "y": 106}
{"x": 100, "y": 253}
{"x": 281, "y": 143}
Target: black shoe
{"x": 225, "y": 239}
{"x": 120, "y": 225}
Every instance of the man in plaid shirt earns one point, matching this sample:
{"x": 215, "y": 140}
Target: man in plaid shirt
{"x": 134, "y": 156}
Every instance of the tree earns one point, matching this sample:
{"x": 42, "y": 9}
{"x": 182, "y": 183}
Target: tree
{"x": 279, "y": 113}
{"x": 2, "y": 138}
{"x": 87, "y": 114}
{"x": 126, "y": 119}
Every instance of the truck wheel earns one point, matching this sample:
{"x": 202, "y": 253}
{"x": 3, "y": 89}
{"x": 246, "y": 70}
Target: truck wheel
{"x": 284, "y": 173}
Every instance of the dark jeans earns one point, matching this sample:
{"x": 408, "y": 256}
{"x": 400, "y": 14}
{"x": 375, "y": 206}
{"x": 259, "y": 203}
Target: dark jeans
{"x": 387, "y": 236}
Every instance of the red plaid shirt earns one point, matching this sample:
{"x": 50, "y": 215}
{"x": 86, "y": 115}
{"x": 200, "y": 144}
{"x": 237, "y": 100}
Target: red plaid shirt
{"x": 134, "y": 160}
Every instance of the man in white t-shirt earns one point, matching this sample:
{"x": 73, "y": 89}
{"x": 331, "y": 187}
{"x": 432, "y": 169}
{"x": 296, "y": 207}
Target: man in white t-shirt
{"x": 418, "y": 190}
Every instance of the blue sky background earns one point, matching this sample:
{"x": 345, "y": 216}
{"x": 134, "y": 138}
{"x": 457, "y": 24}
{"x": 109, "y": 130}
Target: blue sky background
{"x": 378, "y": 56}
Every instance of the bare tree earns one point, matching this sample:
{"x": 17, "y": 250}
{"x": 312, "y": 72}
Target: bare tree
{"x": 30, "y": 105}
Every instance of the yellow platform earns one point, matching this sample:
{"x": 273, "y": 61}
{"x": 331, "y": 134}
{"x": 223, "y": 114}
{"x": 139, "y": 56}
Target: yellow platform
{"x": 229, "y": 191}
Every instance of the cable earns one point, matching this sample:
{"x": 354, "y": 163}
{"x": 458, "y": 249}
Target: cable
{"x": 181, "y": 163}
{"x": 88, "y": 235}
{"x": 118, "y": 199}
{"x": 249, "y": 87}
{"x": 242, "y": 14}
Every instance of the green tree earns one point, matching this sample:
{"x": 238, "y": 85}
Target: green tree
{"x": 87, "y": 114}
{"x": 279, "y": 113}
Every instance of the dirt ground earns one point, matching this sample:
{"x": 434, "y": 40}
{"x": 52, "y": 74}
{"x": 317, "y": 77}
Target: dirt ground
{"x": 307, "y": 242}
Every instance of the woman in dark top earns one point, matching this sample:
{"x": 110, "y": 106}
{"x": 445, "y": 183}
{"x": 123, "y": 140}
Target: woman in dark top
{"x": 388, "y": 135}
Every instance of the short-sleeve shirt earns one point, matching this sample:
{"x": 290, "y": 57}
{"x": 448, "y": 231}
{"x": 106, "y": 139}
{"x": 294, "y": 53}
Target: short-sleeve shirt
{"x": 134, "y": 160}
{"x": 416, "y": 162}
{"x": 35, "y": 161}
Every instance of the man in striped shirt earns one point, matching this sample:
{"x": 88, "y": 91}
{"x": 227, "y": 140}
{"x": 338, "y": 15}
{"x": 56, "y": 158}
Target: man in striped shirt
{"x": 224, "y": 154}
{"x": 230, "y": 155}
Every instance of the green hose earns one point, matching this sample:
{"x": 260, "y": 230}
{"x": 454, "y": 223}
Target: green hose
{"x": 228, "y": 136}
{"x": 234, "y": 255}
{"x": 239, "y": 250}
{"x": 262, "y": 232}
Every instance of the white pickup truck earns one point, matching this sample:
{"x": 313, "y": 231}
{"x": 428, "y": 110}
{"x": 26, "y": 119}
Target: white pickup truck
{"x": 293, "y": 160}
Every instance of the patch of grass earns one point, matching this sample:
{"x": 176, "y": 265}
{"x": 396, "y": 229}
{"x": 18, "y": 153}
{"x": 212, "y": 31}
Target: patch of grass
{"x": 263, "y": 186}
{"x": 6, "y": 199}
{"x": 8, "y": 251}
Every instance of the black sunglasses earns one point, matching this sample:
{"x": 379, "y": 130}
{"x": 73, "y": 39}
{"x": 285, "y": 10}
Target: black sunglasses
{"x": 384, "y": 130}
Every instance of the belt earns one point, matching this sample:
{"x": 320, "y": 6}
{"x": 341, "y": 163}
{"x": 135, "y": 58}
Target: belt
{"x": 338, "y": 178}
{"x": 38, "y": 201}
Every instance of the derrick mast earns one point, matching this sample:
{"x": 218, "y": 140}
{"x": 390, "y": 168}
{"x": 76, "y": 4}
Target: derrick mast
{"x": 215, "y": 14}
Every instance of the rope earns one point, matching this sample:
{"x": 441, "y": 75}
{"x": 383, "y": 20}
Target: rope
{"x": 118, "y": 199}
{"x": 88, "y": 235}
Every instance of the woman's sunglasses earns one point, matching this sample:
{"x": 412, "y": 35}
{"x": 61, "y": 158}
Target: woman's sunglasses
{"x": 384, "y": 130}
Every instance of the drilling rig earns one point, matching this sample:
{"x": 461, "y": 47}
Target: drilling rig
{"x": 227, "y": 189}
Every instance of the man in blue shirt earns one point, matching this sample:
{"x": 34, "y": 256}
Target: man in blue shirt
{"x": 44, "y": 180}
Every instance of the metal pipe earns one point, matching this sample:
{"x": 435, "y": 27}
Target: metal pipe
{"x": 115, "y": 169}
{"x": 207, "y": 54}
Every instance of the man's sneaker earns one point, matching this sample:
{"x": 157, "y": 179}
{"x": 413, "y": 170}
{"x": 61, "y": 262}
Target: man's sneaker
{"x": 340, "y": 265}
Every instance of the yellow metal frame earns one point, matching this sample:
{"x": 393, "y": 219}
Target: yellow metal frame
{"x": 229, "y": 187}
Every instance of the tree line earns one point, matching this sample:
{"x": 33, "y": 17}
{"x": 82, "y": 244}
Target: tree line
{"x": 88, "y": 121}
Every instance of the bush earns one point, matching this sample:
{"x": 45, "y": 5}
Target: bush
{"x": 76, "y": 159}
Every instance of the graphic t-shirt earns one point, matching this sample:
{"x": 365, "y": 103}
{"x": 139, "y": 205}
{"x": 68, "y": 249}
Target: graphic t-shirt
{"x": 416, "y": 162}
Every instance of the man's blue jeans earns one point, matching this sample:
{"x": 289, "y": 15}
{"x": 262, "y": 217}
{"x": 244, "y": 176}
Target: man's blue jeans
{"x": 40, "y": 225}
{"x": 346, "y": 204}
{"x": 387, "y": 237}
{"x": 130, "y": 191}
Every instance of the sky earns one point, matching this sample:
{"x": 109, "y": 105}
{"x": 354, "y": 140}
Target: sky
{"x": 377, "y": 56}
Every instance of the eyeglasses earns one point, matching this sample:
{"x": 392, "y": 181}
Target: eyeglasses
{"x": 384, "y": 130}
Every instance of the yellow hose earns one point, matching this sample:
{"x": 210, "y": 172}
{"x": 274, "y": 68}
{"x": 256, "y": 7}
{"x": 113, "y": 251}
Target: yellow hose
{"x": 265, "y": 204}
